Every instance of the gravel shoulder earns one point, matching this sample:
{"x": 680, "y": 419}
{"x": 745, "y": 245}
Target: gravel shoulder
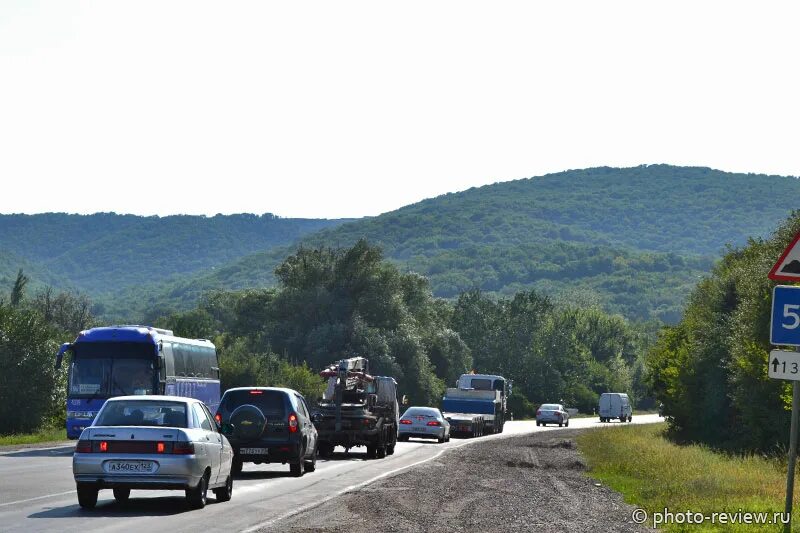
{"x": 526, "y": 483}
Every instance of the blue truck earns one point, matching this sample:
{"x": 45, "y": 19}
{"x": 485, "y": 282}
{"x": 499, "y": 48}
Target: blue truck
{"x": 477, "y": 405}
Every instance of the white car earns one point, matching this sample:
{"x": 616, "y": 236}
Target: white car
{"x": 424, "y": 423}
{"x": 153, "y": 442}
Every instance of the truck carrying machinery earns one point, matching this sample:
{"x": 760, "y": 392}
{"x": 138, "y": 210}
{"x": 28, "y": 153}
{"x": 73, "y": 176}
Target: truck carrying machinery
{"x": 357, "y": 409}
{"x": 477, "y": 405}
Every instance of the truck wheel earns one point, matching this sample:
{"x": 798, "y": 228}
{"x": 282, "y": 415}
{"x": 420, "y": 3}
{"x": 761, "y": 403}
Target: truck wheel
{"x": 630, "y": 418}
{"x": 372, "y": 451}
{"x": 566, "y": 423}
{"x": 561, "y": 424}
{"x": 390, "y": 449}
{"x": 325, "y": 449}
{"x": 381, "y": 452}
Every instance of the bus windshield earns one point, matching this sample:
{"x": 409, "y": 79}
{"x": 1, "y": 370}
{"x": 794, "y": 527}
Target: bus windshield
{"x": 104, "y": 369}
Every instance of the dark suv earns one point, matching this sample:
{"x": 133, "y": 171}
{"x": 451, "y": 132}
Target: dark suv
{"x": 268, "y": 425}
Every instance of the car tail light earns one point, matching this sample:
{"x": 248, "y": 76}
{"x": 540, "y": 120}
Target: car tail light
{"x": 256, "y": 392}
{"x": 183, "y": 448}
{"x": 434, "y": 423}
{"x": 292, "y": 423}
{"x": 103, "y": 446}
{"x": 405, "y": 422}
{"x": 218, "y": 418}
{"x": 538, "y": 412}
{"x": 160, "y": 447}
{"x": 83, "y": 446}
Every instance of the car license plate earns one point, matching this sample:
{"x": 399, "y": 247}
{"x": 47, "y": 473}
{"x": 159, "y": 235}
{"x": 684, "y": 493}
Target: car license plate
{"x": 131, "y": 467}
{"x": 254, "y": 451}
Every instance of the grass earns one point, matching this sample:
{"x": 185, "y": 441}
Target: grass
{"x": 653, "y": 473}
{"x": 44, "y": 435}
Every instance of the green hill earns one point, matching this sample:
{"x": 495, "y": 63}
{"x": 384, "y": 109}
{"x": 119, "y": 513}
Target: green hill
{"x": 105, "y": 252}
{"x": 635, "y": 240}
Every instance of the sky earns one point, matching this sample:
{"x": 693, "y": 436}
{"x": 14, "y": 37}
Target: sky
{"x": 348, "y": 109}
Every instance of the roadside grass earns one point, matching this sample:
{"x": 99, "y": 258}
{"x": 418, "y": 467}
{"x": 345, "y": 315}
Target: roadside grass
{"x": 654, "y": 473}
{"x": 44, "y": 435}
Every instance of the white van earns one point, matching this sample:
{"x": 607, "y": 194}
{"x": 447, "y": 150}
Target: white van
{"x": 615, "y": 405}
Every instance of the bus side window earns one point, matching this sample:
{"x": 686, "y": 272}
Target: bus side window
{"x": 211, "y": 363}
{"x": 180, "y": 363}
{"x": 188, "y": 360}
{"x": 169, "y": 360}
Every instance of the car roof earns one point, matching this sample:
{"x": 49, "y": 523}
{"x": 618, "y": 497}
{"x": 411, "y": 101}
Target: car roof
{"x": 153, "y": 397}
{"x": 423, "y": 407}
{"x": 278, "y": 389}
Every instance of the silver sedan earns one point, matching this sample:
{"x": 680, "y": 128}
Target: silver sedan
{"x": 425, "y": 423}
{"x": 552, "y": 413}
{"x": 153, "y": 442}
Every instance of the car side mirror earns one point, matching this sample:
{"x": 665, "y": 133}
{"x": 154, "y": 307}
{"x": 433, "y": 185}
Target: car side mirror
{"x": 227, "y": 429}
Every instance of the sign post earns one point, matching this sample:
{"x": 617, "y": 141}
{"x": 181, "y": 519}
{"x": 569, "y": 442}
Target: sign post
{"x": 785, "y": 331}
{"x": 792, "y": 454}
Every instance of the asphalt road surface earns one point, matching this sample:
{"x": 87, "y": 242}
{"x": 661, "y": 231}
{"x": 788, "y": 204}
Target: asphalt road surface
{"x": 37, "y": 492}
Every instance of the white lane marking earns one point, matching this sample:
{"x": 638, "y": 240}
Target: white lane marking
{"x": 271, "y": 483}
{"x": 38, "y": 498}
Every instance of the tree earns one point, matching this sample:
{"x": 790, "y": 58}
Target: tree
{"x": 30, "y": 390}
{"x": 18, "y": 291}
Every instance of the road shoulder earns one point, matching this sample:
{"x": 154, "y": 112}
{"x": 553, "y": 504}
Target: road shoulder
{"x": 531, "y": 482}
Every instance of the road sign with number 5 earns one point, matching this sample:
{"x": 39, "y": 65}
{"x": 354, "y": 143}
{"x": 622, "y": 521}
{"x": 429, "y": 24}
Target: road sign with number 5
{"x": 785, "y": 329}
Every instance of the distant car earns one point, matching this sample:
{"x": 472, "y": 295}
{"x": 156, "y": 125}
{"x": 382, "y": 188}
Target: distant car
{"x": 153, "y": 442}
{"x": 615, "y": 405}
{"x": 423, "y": 423}
{"x": 552, "y": 413}
{"x": 269, "y": 425}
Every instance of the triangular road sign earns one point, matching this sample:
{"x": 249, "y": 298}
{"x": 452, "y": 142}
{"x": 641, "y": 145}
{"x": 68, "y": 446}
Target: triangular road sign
{"x": 788, "y": 266}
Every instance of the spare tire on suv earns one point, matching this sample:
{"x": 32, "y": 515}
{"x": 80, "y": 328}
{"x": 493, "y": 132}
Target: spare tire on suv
{"x": 248, "y": 422}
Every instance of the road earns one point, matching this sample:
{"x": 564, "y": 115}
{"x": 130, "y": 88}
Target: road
{"x": 37, "y": 492}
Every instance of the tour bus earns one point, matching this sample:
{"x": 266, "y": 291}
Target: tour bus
{"x": 125, "y": 360}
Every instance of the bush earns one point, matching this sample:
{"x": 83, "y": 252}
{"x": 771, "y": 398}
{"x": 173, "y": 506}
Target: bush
{"x": 31, "y": 390}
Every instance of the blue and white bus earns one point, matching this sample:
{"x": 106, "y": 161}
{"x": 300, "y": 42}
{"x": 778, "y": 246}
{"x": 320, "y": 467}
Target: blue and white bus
{"x": 123, "y": 360}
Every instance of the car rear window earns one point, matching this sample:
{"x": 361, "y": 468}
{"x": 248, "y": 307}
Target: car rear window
{"x": 549, "y": 407}
{"x": 416, "y": 411}
{"x": 143, "y": 413}
{"x": 270, "y": 402}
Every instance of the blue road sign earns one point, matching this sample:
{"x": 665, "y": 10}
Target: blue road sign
{"x": 785, "y": 328}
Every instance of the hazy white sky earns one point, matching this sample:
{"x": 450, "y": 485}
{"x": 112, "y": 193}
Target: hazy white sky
{"x": 335, "y": 109}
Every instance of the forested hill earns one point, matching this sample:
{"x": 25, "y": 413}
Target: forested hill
{"x": 105, "y": 252}
{"x": 635, "y": 239}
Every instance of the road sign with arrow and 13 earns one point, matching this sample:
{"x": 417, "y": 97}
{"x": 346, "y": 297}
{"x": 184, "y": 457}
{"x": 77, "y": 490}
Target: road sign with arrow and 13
{"x": 784, "y": 365}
